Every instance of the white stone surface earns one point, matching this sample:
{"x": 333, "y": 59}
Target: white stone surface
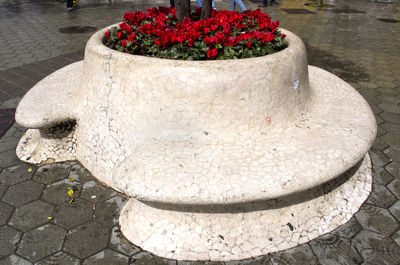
{"x": 234, "y": 232}
{"x": 204, "y": 135}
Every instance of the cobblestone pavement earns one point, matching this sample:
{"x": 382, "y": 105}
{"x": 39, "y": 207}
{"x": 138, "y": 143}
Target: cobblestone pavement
{"x": 357, "y": 40}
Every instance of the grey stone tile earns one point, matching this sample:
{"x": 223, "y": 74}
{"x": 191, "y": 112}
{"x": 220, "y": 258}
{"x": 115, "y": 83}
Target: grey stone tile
{"x": 50, "y": 237}
{"x": 394, "y": 169}
{"x": 17, "y": 174}
{"x": 107, "y": 212}
{"x": 8, "y": 159}
{"x": 393, "y": 153}
{"x": 15, "y": 260}
{"x": 394, "y": 187}
{"x": 48, "y": 174}
{"x": 5, "y": 213}
{"x": 376, "y": 219}
{"x": 74, "y": 214}
{"x": 145, "y": 258}
{"x": 31, "y": 215}
{"x": 332, "y": 249}
{"x": 390, "y": 117}
{"x": 60, "y": 258}
{"x": 8, "y": 143}
{"x": 263, "y": 260}
{"x": 57, "y": 192}
{"x": 376, "y": 248}
{"x": 3, "y": 189}
{"x": 300, "y": 255}
{"x": 86, "y": 240}
{"x": 381, "y": 196}
{"x": 389, "y": 107}
{"x": 80, "y": 173}
{"x": 396, "y": 237}
{"x": 120, "y": 243}
{"x": 395, "y": 210}
{"x": 107, "y": 257}
{"x": 392, "y": 139}
{"x": 22, "y": 193}
{"x": 9, "y": 240}
{"x": 95, "y": 192}
{"x": 349, "y": 229}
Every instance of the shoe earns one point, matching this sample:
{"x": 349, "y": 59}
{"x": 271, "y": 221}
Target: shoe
{"x": 69, "y": 9}
{"x": 263, "y": 5}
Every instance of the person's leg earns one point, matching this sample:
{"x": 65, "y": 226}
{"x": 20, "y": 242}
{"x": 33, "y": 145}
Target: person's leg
{"x": 213, "y": 4}
{"x": 241, "y": 5}
{"x": 199, "y": 3}
{"x": 70, "y": 3}
{"x": 232, "y": 5}
{"x": 172, "y": 3}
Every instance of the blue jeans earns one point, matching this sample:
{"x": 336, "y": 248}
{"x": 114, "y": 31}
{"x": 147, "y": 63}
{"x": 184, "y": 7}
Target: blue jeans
{"x": 239, "y": 3}
{"x": 200, "y": 3}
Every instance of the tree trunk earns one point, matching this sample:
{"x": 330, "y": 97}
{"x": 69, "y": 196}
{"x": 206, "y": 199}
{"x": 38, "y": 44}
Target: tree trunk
{"x": 206, "y": 9}
{"x": 182, "y": 9}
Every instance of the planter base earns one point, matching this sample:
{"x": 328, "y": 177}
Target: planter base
{"x": 241, "y": 231}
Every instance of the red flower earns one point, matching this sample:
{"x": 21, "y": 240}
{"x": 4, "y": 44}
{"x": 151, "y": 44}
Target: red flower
{"x": 131, "y": 37}
{"x": 206, "y": 30}
{"x": 212, "y": 53}
{"x": 119, "y": 34}
{"x": 213, "y": 27}
{"x": 107, "y": 33}
{"x": 123, "y": 43}
{"x": 248, "y": 44}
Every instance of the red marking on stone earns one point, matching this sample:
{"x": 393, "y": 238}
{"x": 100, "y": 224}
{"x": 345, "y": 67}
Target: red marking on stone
{"x": 268, "y": 120}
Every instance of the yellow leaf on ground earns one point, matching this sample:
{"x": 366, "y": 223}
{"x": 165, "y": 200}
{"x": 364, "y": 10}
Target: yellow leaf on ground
{"x": 50, "y": 217}
{"x": 70, "y": 192}
{"x": 71, "y": 179}
{"x": 30, "y": 169}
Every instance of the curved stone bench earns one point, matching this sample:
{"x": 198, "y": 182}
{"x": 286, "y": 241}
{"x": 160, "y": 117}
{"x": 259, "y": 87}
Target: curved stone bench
{"x": 261, "y": 155}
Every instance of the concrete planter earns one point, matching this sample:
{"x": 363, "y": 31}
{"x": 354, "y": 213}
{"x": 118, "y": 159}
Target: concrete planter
{"x": 222, "y": 160}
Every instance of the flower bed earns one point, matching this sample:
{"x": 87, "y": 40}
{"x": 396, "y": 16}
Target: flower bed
{"x": 225, "y": 35}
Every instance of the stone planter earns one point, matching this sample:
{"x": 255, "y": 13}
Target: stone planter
{"x": 221, "y": 160}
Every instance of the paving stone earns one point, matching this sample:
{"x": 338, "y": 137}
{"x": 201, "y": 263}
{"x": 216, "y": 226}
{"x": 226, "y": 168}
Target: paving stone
{"x": 31, "y": 215}
{"x": 60, "y": 258}
{"x": 95, "y": 192}
{"x": 391, "y": 127}
{"x": 145, "y": 258}
{"x": 394, "y": 187}
{"x": 9, "y": 240}
{"x": 5, "y": 213}
{"x": 393, "y": 153}
{"x": 389, "y": 107}
{"x": 51, "y": 173}
{"x": 376, "y": 219}
{"x": 376, "y": 248}
{"x": 120, "y": 243}
{"x": 390, "y": 117}
{"x": 349, "y": 229}
{"x": 15, "y": 260}
{"x": 300, "y": 255}
{"x": 8, "y": 159}
{"x": 392, "y": 139}
{"x": 331, "y": 249}
{"x": 86, "y": 239}
{"x": 74, "y": 214}
{"x": 263, "y": 260}
{"x": 394, "y": 169}
{"x": 16, "y": 174}
{"x": 381, "y": 196}
{"x": 8, "y": 143}
{"x": 3, "y": 189}
{"x": 396, "y": 237}
{"x": 41, "y": 242}
{"x": 57, "y": 192}
{"x": 395, "y": 210}
{"x": 379, "y": 145}
{"x": 107, "y": 257}
{"x": 80, "y": 173}
{"x": 107, "y": 212}
{"x": 22, "y": 193}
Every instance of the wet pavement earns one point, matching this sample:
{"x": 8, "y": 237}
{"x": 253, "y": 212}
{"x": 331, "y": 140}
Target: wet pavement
{"x": 356, "y": 40}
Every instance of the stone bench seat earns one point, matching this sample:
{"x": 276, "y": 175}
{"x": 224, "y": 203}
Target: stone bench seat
{"x": 52, "y": 100}
{"x": 207, "y": 169}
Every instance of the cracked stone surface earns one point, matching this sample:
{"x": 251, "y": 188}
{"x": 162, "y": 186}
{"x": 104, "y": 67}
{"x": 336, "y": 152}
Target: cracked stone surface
{"x": 16, "y": 174}
{"x": 67, "y": 215}
{"x": 5, "y": 213}
{"x": 366, "y": 58}
{"x": 51, "y": 173}
{"x": 60, "y": 258}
